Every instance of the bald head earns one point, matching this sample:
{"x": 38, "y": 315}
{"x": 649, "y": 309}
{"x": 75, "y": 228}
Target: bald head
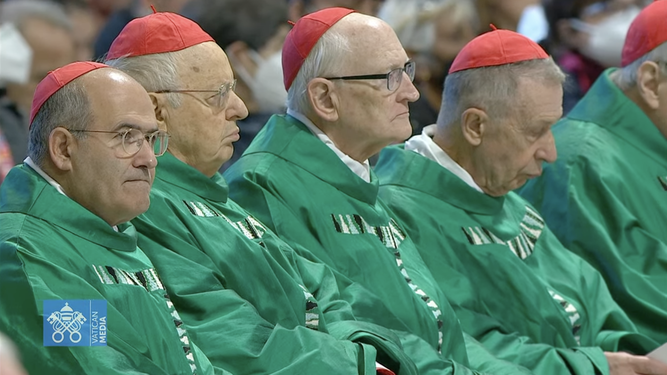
{"x": 79, "y": 103}
{"x": 357, "y": 41}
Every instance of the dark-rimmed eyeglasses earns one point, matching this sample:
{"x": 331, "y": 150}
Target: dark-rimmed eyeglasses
{"x": 394, "y": 77}
{"x": 133, "y": 139}
{"x": 219, "y": 99}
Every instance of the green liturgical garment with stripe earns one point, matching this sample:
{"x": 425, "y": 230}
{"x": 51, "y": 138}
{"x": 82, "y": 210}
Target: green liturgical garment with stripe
{"x": 296, "y": 185}
{"x": 603, "y": 199}
{"x": 513, "y": 286}
{"x": 51, "y": 248}
{"x": 250, "y": 302}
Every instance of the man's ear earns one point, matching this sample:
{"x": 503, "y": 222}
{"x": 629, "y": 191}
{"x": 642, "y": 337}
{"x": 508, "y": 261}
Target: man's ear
{"x": 160, "y": 105}
{"x": 648, "y": 83}
{"x": 473, "y": 125}
{"x": 62, "y": 146}
{"x": 323, "y": 98}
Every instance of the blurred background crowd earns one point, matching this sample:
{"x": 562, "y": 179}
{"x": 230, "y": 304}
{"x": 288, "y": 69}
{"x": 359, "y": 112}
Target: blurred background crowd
{"x": 36, "y": 36}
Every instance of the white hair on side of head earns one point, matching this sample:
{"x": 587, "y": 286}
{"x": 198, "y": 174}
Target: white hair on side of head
{"x": 69, "y": 107}
{"x": 626, "y": 78}
{"x": 154, "y": 72}
{"x": 327, "y": 58}
{"x": 493, "y": 88}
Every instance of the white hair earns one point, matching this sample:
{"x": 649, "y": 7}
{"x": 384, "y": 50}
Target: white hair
{"x": 327, "y": 58}
{"x": 154, "y": 72}
{"x": 492, "y": 89}
{"x": 69, "y": 107}
{"x": 626, "y": 78}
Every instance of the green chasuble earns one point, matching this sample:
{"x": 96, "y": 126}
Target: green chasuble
{"x": 603, "y": 199}
{"x": 512, "y": 284}
{"x": 296, "y": 185}
{"x": 247, "y": 299}
{"x": 51, "y": 248}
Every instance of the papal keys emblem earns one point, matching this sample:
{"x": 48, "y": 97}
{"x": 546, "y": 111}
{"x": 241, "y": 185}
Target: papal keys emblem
{"x": 66, "y": 321}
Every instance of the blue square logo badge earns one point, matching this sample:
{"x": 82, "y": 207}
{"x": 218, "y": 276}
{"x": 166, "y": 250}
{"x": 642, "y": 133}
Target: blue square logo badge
{"x": 75, "y": 322}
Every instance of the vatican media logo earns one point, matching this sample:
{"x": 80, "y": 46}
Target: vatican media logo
{"x": 75, "y": 323}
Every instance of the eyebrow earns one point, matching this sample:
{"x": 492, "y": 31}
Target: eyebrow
{"x": 125, "y": 125}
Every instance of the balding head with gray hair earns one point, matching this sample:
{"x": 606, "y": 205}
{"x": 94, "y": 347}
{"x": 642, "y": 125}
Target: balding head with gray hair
{"x": 492, "y": 89}
{"x": 155, "y": 72}
{"x": 327, "y": 58}
{"x": 626, "y": 77}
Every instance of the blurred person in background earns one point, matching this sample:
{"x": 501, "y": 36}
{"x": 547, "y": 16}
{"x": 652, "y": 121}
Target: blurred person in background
{"x": 504, "y": 14}
{"x": 432, "y": 33}
{"x": 85, "y": 25}
{"x": 299, "y": 8}
{"x": 9, "y": 361}
{"x": 252, "y": 33}
{"x": 123, "y": 15}
{"x": 35, "y": 35}
{"x": 586, "y": 37}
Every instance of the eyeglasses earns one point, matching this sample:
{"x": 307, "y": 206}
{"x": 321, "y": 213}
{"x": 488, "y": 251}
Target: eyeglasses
{"x": 219, "y": 99}
{"x": 394, "y": 77}
{"x": 133, "y": 139}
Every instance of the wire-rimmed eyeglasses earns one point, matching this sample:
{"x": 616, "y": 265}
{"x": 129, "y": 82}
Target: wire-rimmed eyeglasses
{"x": 133, "y": 139}
{"x": 219, "y": 99}
{"x": 394, "y": 77}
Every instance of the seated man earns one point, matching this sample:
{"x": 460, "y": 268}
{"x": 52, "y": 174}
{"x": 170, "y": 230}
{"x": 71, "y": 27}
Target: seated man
{"x": 306, "y": 176}
{"x": 64, "y": 234}
{"x": 509, "y": 279}
{"x": 248, "y": 300}
{"x": 602, "y": 197}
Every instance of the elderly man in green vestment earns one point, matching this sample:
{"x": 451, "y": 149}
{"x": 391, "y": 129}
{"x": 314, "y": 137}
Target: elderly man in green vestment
{"x": 251, "y": 303}
{"x": 65, "y": 237}
{"x": 602, "y": 197}
{"x": 509, "y": 279}
{"x": 306, "y": 174}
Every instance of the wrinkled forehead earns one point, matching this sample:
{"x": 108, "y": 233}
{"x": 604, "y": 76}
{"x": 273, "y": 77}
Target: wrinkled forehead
{"x": 204, "y": 66}
{"x": 373, "y": 45}
{"x": 115, "y": 98}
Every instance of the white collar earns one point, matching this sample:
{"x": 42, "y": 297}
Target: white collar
{"x": 363, "y": 170}
{"x": 423, "y": 144}
{"x": 29, "y": 162}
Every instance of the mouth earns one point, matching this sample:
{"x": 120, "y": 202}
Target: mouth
{"x": 235, "y": 136}
{"x": 139, "y": 180}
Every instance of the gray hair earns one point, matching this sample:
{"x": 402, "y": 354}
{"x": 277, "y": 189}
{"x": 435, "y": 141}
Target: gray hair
{"x": 626, "y": 78}
{"x": 154, "y": 72}
{"x": 492, "y": 88}
{"x": 70, "y": 108}
{"x": 19, "y": 11}
{"x": 326, "y": 58}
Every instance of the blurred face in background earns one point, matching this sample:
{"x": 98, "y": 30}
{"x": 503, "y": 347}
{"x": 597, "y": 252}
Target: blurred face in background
{"x": 52, "y": 47}
{"x": 86, "y": 26}
{"x": 260, "y": 73}
{"x": 451, "y": 36}
{"x": 599, "y": 31}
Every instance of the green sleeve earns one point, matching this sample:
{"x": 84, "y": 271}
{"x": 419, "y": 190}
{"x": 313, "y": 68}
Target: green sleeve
{"x": 274, "y": 212}
{"x": 588, "y": 212}
{"x": 27, "y": 279}
{"x": 229, "y": 330}
{"x": 540, "y": 358}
